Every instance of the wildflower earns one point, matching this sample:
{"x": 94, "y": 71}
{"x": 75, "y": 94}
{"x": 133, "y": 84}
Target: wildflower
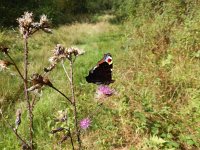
{"x": 104, "y": 91}
{"x": 85, "y": 123}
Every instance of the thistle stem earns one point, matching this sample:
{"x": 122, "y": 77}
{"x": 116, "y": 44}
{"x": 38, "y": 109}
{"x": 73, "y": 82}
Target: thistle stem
{"x": 74, "y": 104}
{"x": 70, "y": 135}
{"x": 61, "y": 93}
{"x": 65, "y": 70}
{"x": 26, "y": 87}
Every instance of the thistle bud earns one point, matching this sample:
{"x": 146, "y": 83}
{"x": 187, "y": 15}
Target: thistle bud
{"x": 64, "y": 138}
{"x": 57, "y": 130}
{"x": 4, "y": 49}
{"x": 18, "y": 118}
{"x": 44, "y": 21}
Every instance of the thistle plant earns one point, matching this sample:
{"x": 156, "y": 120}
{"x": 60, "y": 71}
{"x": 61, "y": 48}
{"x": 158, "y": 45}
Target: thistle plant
{"x": 60, "y": 55}
{"x": 27, "y": 27}
{"x": 68, "y": 125}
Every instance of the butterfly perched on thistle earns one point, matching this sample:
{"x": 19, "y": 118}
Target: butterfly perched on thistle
{"x": 102, "y": 72}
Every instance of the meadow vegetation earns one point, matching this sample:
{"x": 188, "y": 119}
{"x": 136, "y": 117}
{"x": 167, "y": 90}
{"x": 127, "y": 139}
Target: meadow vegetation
{"x": 156, "y": 59}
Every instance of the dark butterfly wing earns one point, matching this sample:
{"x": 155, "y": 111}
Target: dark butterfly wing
{"x": 101, "y": 74}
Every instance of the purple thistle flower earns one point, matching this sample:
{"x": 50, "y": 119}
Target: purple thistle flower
{"x": 105, "y": 90}
{"x": 85, "y": 123}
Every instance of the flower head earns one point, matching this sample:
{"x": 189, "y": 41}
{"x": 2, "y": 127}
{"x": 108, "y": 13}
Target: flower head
{"x": 44, "y": 21}
{"x": 76, "y": 51}
{"x": 28, "y": 26}
{"x": 26, "y": 20}
{"x": 104, "y": 91}
{"x": 59, "y": 50}
{"x": 38, "y": 82}
{"x": 85, "y": 123}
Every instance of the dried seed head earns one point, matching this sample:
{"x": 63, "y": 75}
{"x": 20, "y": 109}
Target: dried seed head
{"x": 26, "y": 20}
{"x": 38, "y": 82}
{"x": 59, "y": 50}
{"x": 36, "y": 25}
{"x": 44, "y": 21}
{"x": 76, "y": 51}
{"x": 36, "y": 79}
{"x": 27, "y": 26}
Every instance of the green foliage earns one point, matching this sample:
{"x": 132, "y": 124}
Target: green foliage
{"x": 60, "y": 11}
{"x": 156, "y": 68}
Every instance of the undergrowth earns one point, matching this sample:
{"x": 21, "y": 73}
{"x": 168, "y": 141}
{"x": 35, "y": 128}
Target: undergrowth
{"x": 156, "y": 68}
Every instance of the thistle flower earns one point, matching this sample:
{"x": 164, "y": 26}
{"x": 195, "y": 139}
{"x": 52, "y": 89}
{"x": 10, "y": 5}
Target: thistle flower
{"x": 104, "y": 91}
{"x": 85, "y": 123}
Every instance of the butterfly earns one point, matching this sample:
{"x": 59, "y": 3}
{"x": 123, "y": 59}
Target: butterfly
{"x": 102, "y": 72}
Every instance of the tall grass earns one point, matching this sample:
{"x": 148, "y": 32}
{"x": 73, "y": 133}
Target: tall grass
{"x": 156, "y": 68}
